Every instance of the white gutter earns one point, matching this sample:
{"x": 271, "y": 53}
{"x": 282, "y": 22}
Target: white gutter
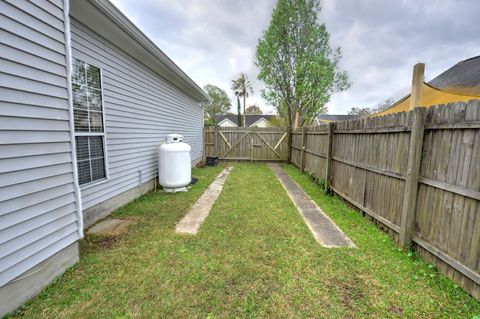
{"x": 68, "y": 55}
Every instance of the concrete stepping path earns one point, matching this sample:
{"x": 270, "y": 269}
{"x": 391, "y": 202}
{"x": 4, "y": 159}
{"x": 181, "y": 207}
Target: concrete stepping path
{"x": 324, "y": 230}
{"x": 111, "y": 227}
{"x": 191, "y": 222}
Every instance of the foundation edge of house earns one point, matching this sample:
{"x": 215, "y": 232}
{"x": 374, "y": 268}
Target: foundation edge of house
{"x": 14, "y": 294}
{"x": 94, "y": 214}
{"x": 31, "y": 283}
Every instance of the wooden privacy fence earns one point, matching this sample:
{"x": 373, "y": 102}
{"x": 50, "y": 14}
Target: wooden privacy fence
{"x": 417, "y": 174}
{"x": 246, "y": 143}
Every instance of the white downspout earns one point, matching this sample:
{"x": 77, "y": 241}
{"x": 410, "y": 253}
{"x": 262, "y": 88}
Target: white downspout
{"x": 68, "y": 55}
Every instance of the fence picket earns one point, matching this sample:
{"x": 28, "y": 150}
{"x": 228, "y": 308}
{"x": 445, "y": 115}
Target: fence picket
{"x": 411, "y": 182}
{"x": 417, "y": 174}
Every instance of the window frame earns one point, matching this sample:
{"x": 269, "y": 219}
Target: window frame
{"x": 102, "y": 134}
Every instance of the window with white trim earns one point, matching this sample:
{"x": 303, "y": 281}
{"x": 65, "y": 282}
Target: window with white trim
{"x": 88, "y": 121}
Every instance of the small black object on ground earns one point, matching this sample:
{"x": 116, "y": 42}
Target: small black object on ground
{"x": 211, "y": 160}
{"x": 194, "y": 181}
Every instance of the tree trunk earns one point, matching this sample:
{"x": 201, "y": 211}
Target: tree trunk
{"x": 244, "y": 118}
{"x": 239, "y": 113}
{"x": 289, "y": 116}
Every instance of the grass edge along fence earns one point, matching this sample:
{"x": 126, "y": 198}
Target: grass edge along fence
{"x": 417, "y": 174}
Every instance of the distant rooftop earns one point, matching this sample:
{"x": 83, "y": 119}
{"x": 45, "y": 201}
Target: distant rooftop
{"x": 462, "y": 78}
{"x": 249, "y": 118}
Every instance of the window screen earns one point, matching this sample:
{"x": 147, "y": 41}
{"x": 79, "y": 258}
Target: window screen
{"x": 90, "y": 158}
{"x": 88, "y": 120}
{"x": 87, "y": 97}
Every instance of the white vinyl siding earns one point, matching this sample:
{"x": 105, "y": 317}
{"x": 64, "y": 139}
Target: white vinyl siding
{"x": 140, "y": 109}
{"x": 38, "y": 210}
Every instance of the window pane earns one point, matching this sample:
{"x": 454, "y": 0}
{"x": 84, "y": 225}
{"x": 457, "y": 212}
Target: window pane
{"x": 96, "y": 124}
{"x": 98, "y": 169}
{"x": 82, "y": 147}
{"x": 88, "y": 117}
{"x": 80, "y": 120}
{"x": 93, "y": 76}
{"x": 94, "y": 99}
{"x": 90, "y": 158}
{"x": 83, "y": 172}
{"x": 79, "y": 96}
{"x": 87, "y": 97}
{"x": 96, "y": 146}
{"x": 78, "y": 72}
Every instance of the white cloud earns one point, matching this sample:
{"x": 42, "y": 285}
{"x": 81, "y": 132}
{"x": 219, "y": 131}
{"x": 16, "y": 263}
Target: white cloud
{"x": 213, "y": 41}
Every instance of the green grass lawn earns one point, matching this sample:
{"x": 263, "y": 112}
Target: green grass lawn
{"x": 253, "y": 257}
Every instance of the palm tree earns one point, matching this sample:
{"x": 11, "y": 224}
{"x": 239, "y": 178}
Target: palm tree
{"x": 242, "y": 87}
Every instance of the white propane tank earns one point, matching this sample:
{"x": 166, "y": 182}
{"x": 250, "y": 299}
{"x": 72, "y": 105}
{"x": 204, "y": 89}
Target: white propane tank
{"x": 174, "y": 164}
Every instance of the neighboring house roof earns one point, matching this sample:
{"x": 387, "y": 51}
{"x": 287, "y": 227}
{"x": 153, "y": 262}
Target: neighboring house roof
{"x": 262, "y": 122}
{"x": 459, "y": 83}
{"x": 462, "y": 78}
{"x": 249, "y": 118}
{"x": 227, "y": 122}
{"x": 103, "y": 17}
{"x": 336, "y": 117}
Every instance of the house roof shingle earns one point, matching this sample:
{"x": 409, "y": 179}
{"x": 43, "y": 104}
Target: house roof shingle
{"x": 461, "y": 82}
{"x": 462, "y": 78}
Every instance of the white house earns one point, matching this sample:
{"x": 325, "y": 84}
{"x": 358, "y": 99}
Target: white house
{"x": 226, "y": 122}
{"x": 85, "y": 100}
{"x": 252, "y": 120}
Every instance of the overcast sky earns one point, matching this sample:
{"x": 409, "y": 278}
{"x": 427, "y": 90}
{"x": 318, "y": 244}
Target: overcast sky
{"x": 213, "y": 41}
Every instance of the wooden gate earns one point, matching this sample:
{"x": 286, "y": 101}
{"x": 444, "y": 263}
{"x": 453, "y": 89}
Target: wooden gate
{"x": 245, "y": 143}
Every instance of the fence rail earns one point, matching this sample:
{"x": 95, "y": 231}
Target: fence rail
{"x": 416, "y": 174}
{"x": 253, "y": 144}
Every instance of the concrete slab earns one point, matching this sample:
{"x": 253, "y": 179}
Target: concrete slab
{"x": 191, "y": 222}
{"x": 324, "y": 230}
{"x": 111, "y": 227}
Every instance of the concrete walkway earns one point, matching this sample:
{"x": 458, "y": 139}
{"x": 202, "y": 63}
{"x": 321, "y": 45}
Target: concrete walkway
{"x": 322, "y": 227}
{"x": 199, "y": 211}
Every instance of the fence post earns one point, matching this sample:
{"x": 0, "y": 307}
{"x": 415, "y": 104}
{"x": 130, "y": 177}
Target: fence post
{"x": 289, "y": 144}
{"x": 302, "y": 151}
{"x": 417, "y": 85}
{"x": 215, "y": 132}
{"x": 328, "y": 169}
{"x": 413, "y": 173}
{"x": 204, "y": 155}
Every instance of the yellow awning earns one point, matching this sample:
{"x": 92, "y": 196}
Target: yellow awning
{"x": 431, "y": 96}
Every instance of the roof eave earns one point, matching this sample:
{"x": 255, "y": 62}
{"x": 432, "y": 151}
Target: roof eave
{"x": 174, "y": 74}
{"x": 226, "y": 119}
